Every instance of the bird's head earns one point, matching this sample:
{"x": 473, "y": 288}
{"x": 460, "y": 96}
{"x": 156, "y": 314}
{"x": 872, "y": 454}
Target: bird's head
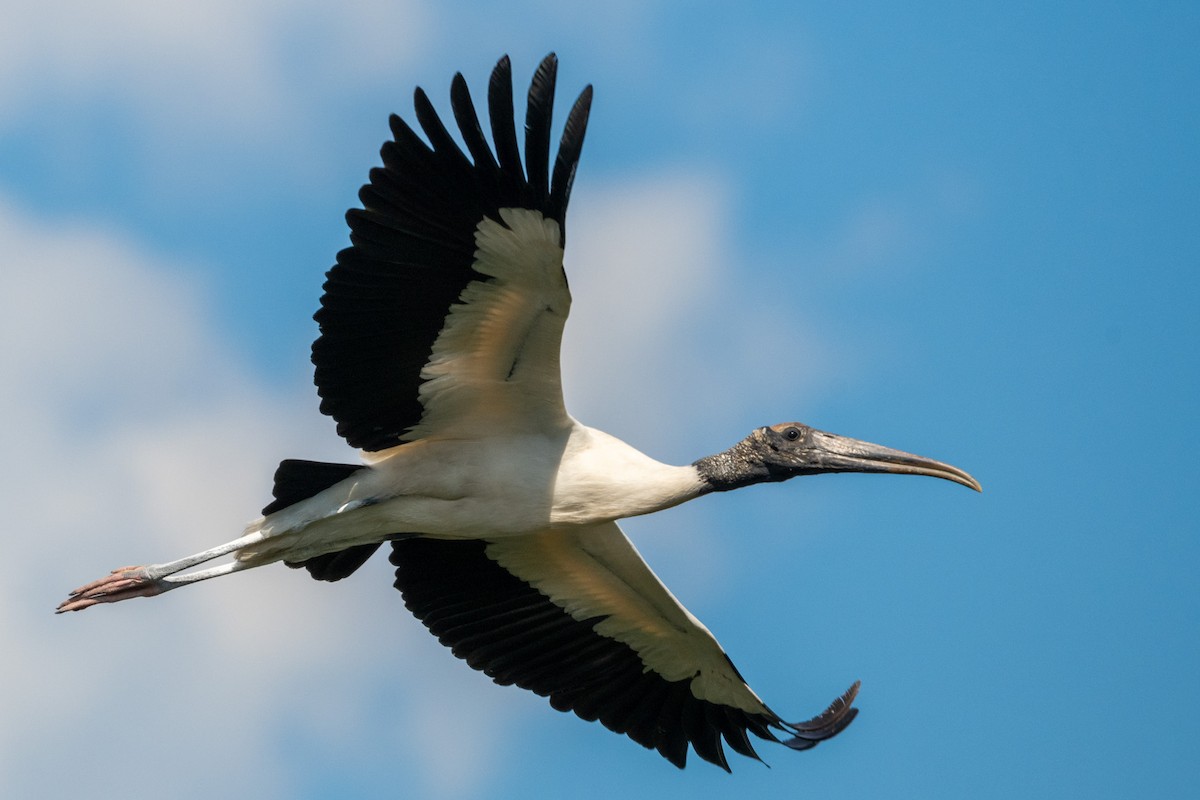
{"x": 783, "y": 451}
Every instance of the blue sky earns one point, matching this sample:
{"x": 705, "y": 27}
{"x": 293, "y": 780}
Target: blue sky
{"x": 969, "y": 231}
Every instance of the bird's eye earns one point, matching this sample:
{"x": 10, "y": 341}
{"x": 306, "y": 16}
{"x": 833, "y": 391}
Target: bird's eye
{"x": 792, "y": 434}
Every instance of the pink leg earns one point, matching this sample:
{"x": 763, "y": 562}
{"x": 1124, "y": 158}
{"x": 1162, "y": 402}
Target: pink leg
{"x": 120, "y": 584}
{"x": 154, "y": 579}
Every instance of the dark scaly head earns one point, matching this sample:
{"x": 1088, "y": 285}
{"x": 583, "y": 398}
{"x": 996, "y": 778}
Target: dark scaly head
{"x": 789, "y": 449}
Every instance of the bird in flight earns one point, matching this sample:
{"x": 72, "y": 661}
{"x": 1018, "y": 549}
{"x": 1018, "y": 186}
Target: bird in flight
{"x": 438, "y": 357}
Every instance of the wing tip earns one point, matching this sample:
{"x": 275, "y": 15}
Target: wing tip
{"x": 829, "y": 723}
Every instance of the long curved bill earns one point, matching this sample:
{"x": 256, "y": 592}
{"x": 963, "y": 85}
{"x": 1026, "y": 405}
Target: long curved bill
{"x": 843, "y": 454}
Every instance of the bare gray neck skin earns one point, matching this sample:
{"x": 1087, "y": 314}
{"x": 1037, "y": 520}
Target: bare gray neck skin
{"x": 740, "y": 465}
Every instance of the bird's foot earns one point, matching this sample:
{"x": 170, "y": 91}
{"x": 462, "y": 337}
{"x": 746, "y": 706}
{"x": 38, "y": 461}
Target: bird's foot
{"x": 120, "y": 584}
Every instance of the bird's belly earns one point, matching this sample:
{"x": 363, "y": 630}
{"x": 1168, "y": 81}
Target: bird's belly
{"x": 477, "y": 516}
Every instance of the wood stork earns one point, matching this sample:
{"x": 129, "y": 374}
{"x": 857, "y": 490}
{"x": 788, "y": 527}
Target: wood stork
{"x": 438, "y": 357}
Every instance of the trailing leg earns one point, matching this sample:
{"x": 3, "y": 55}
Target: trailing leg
{"x": 154, "y": 579}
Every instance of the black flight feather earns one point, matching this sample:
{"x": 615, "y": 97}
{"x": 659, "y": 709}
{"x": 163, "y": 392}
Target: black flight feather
{"x": 413, "y": 245}
{"x": 507, "y": 629}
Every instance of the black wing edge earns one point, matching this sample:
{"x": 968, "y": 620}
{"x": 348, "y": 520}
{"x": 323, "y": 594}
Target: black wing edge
{"x": 413, "y": 244}
{"x": 505, "y": 628}
{"x": 296, "y": 480}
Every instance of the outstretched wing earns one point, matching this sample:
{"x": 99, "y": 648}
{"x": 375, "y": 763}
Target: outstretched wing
{"x": 579, "y": 618}
{"x": 446, "y": 312}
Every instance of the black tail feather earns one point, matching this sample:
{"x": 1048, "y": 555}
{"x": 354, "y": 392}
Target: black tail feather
{"x": 297, "y": 480}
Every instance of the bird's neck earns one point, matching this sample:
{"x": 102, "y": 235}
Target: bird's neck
{"x": 732, "y": 469}
{"x": 602, "y": 478}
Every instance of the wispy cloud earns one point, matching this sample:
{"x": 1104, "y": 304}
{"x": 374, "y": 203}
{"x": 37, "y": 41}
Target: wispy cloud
{"x": 141, "y": 434}
{"x": 211, "y": 64}
{"x": 136, "y": 434}
{"x": 144, "y": 436}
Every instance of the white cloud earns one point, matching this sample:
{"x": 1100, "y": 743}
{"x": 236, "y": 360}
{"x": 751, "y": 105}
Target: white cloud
{"x": 133, "y": 433}
{"x": 140, "y": 436}
{"x": 210, "y": 63}
{"x": 642, "y": 257}
{"x": 674, "y": 339}
{"x": 137, "y": 433}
